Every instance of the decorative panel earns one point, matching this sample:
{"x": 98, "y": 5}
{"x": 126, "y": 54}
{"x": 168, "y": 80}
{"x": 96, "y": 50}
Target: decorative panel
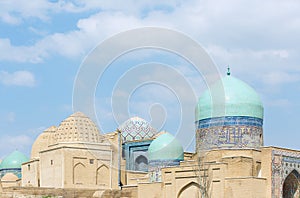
{"x": 229, "y": 132}
{"x": 283, "y": 163}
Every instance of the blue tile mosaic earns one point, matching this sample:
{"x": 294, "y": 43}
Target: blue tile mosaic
{"x": 136, "y": 155}
{"x": 155, "y": 167}
{"x": 229, "y": 132}
{"x": 229, "y": 121}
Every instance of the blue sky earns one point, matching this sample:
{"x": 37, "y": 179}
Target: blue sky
{"x": 43, "y": 44}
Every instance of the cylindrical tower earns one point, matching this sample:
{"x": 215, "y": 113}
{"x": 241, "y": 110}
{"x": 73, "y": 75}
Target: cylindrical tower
{"x": 232, "y": 118}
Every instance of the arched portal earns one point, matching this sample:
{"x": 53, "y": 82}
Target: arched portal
{"x": 291, "y": 185}
{"x": 141, "y": 163}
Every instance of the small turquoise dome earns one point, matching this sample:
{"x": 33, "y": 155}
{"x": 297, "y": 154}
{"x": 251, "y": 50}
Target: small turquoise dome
{"x": 14, "y": 160}
{"x": 165, "y": 147}
{"x": 232, "y": 97}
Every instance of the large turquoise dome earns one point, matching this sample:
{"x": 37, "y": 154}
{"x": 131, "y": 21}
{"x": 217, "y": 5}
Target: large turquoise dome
{"x": 165, "y": 147}
{"x": 232, "y": 97}
{"x": 14, "y": 160}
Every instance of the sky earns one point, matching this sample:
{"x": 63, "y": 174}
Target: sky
{"x": 43, "y": 45}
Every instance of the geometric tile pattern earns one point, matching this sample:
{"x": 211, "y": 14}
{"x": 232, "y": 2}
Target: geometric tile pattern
{"x": 283, "y": 163}
{"x": 132, "y": 151}
{"x": 230, "y": 121}
{"x": 136, "y": 129}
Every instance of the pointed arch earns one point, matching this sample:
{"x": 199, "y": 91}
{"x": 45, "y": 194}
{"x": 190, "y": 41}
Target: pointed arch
{"x": 141, "y": 163}
{"x": 291, "y": 187}
{"x": 79, "y": 173}
{"x": 103, "y": 176}
{"x": 191, "y": 190}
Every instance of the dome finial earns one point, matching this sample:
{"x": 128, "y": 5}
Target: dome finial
{"x": 228, "y": 70}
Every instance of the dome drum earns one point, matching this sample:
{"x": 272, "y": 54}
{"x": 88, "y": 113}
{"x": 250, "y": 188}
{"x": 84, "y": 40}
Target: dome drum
{"x": 229, "y": 121}
{"x": 229, "y": 132}
{"x": 158, "y": 164}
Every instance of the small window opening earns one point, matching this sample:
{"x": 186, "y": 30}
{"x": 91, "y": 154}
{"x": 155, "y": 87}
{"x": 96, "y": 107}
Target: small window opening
{"x": 91, "y": 161}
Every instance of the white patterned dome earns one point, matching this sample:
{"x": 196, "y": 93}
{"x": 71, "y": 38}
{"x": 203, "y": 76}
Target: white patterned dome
{"x": 78, "y": 128}
{"x": 136, "y": 129}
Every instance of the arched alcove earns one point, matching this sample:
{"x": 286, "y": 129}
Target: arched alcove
{"x": 291, "y": 185}
{"x": 141, "y": 163}
{"x": 102, "y": 177}
{"x": 79, "y": 173}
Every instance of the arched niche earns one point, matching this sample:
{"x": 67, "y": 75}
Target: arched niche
{"x": 141, "y": 163}
{"x": 79, "y": 173}
{"x": 291, "y": 185}
{"x": 103, "y": 176}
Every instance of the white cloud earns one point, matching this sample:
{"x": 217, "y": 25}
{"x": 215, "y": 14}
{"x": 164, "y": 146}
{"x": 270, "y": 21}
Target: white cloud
{"x": 9, "y": 52}
{"x": 259, "y": 39}
{"x": 280, "y": 102}
{"x": 10, "y": 143}
{"x": 22, "y": 142}
{"x": 72, "y": 44}
{"x": 14, "y": 11}
{"x": 228, "y": 54}
{"x": 241, "y": 34}
{"x": 271, "y": 68}
{"x": 18, "y": 78}
{"x": 35, "y": 131}
{"x": 229, "y": 24}
{"x": 280, "y": 77}
{"x": 7, "y": 18}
